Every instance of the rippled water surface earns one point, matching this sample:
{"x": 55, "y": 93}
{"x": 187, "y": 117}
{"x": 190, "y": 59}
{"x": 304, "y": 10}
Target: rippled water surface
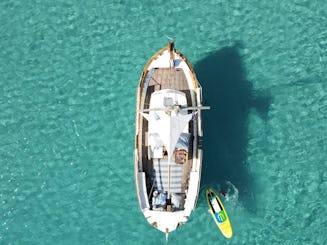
{"x": 68, "y": 77}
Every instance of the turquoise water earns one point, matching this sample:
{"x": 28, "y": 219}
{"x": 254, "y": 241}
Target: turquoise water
{"x": 68, "y": 76}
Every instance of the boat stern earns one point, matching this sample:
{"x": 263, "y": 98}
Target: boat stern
{"x": 166, "y": 221}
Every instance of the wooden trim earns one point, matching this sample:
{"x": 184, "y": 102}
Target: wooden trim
{"x": 154, "y": 224}
{"x": 195, "y": 80}
{"x": 145, "y": 69}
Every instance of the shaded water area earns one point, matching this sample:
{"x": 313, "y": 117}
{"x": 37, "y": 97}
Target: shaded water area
{"x": 231, "y": 96}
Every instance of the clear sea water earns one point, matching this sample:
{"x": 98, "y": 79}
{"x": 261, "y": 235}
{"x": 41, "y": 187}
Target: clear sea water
{"x": 68, "y": 76}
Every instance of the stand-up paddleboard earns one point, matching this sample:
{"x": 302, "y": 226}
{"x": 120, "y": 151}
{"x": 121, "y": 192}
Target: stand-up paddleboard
{"x": 219, "y": 214}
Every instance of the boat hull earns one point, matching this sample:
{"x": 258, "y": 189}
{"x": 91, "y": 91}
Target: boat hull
{"x": 167, "y": 72}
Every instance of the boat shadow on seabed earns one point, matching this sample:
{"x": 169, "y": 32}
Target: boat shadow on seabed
{"x": 230, "y": 96}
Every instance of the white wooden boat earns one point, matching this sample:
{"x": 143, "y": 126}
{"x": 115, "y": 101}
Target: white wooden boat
{"x": 168, "y": 156}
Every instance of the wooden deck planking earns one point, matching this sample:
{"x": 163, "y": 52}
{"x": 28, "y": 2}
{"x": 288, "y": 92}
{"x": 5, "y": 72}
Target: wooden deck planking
{"x": 169, "y": 78}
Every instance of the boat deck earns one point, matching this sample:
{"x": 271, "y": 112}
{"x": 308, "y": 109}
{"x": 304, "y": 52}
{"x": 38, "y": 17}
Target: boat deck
{"x": 166, "y": 78}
